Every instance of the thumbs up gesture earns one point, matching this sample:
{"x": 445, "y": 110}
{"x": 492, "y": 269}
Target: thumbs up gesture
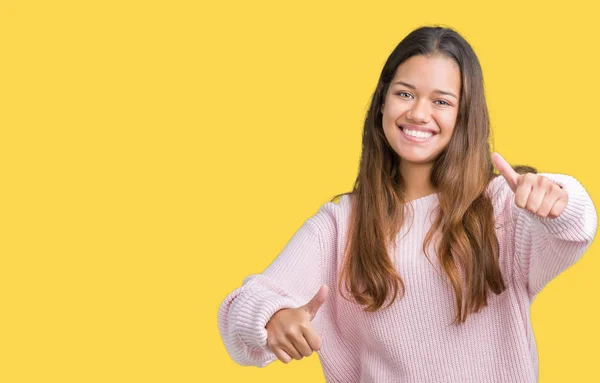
{"x": 290, "y": 332}
{"x": 533, "y": 192}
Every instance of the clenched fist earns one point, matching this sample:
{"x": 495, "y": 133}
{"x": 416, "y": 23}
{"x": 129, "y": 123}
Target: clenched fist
{"x": 290, "y": 331}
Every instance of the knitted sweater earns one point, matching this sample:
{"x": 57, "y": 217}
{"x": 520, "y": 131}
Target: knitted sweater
{"x": 412, "y": 340}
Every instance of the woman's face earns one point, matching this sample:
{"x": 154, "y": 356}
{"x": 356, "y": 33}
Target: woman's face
{"x": 422, "y": 101}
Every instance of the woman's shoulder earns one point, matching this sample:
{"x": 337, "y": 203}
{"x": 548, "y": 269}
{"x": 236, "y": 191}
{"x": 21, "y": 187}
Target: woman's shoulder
{"x": 332, "y": 214}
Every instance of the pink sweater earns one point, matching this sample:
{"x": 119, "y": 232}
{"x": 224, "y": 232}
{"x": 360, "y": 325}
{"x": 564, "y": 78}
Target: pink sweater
{"x": 412, "y": 340}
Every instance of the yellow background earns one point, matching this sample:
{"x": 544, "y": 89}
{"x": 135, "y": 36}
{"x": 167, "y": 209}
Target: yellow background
{"x": 154, "y": 153}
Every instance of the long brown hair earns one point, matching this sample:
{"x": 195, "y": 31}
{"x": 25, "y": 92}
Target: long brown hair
{"x": 460, "y": 174}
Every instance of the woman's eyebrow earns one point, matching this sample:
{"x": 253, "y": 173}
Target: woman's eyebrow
{"x": 435, "y": 90}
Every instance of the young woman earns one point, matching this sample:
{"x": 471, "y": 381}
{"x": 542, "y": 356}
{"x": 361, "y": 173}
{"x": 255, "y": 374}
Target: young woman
{"x": 357, "y": 281}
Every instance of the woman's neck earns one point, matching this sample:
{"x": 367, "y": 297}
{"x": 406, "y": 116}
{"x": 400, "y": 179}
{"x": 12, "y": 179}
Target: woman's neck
{"x": 417, "y": 180}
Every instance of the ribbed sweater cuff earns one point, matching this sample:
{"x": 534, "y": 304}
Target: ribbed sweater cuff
{"x": 254, "y": 313}
{"x": 570, "y": 221}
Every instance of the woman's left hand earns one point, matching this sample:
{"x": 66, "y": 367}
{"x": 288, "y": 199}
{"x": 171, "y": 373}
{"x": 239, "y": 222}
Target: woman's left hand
{"x": 533, "y": 192}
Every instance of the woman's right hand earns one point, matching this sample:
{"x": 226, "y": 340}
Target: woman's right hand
{"x": 290, "y": 331}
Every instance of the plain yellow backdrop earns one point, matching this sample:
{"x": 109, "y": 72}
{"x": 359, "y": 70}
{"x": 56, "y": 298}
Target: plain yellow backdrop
{"x": 155, "y": 153}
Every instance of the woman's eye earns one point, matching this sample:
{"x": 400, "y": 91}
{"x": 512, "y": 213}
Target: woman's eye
{"x": 404, "y": 94}
{"x": 444, "y": 103}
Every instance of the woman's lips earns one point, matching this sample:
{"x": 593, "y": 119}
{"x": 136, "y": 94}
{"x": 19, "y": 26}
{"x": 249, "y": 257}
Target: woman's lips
{"x": 415, "y": 139}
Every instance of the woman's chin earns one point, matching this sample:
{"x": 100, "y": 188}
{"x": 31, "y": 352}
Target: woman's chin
{"x": 416, "y": 159}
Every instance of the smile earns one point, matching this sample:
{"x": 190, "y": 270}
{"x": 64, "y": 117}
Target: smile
{"x": 416, "y": 136}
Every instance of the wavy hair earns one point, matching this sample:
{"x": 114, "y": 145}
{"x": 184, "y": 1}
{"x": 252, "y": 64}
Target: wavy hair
{"x": 467, "y": 247}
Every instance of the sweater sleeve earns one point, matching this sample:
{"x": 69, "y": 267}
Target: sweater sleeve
{"x": 290, "y": 281}
{"x": 545, "y": 247}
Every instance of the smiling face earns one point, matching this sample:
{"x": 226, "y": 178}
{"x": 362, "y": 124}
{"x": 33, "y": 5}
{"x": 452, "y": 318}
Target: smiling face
{"x": 421, "y": 107}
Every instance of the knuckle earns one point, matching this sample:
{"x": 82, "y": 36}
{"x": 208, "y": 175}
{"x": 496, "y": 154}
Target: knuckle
{"x": 557, "y": 189}
{"x": 304, "y": 326}
{"x": 292, "y": 334}
{"x": 557, "y": 193}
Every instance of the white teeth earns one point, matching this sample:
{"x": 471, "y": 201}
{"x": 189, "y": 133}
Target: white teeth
{"x": 416, "y": 133}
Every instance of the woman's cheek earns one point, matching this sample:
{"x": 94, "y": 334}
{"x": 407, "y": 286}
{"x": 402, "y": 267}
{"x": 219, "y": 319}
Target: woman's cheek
{"x": 448, "y": 121}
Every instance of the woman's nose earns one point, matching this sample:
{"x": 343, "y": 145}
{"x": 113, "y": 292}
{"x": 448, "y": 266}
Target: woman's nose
{"x": 420, "y": 112}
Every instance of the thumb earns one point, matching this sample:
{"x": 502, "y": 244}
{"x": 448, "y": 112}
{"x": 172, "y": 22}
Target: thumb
{"x": 505, "y": 170}
{"x": 317, "y": 300}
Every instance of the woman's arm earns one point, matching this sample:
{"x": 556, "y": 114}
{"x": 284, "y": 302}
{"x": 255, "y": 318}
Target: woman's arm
{"x": 545, "y": 247}
{"x": 290, "y": 281}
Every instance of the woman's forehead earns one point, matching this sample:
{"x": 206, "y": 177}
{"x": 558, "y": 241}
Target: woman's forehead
{"x": 428, "y": 73}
